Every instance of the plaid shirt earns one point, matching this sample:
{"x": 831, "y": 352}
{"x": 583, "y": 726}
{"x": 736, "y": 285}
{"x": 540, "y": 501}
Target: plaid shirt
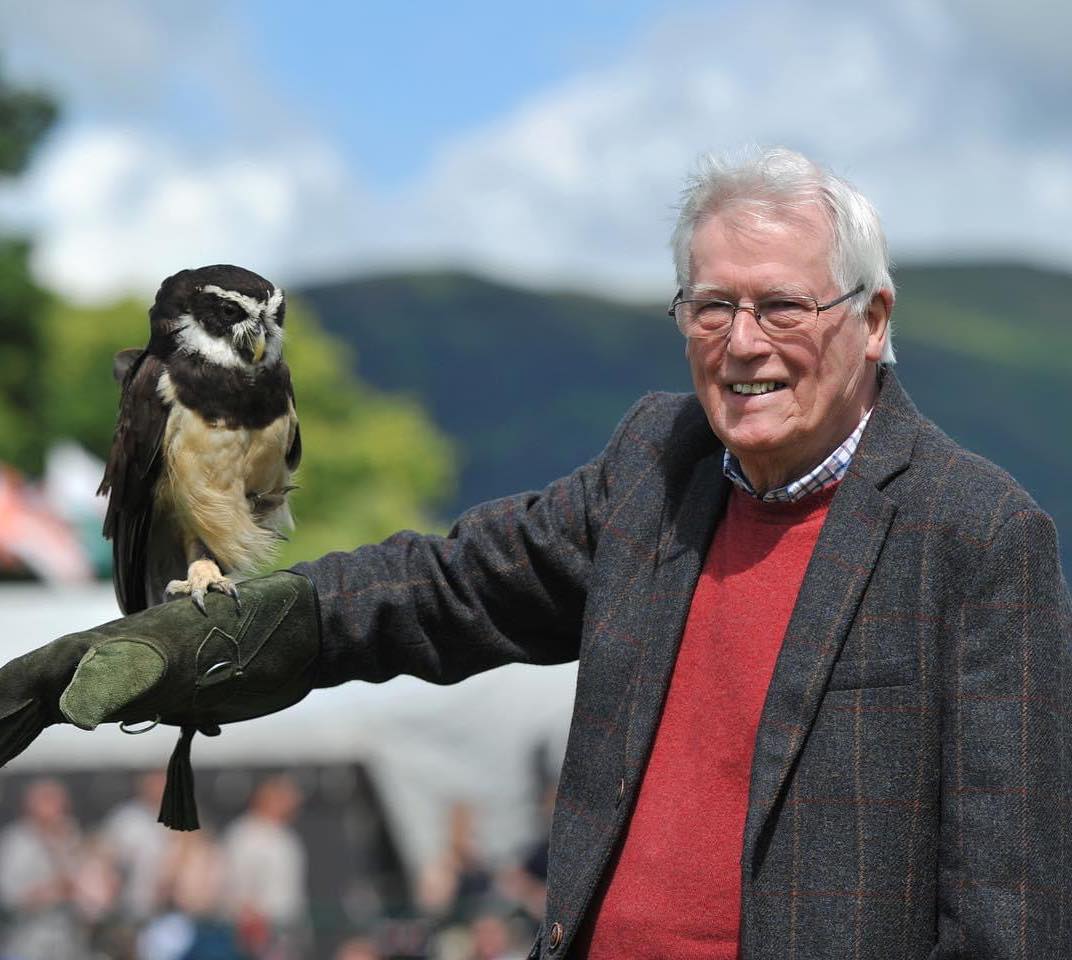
{"x": 830, "y": 471}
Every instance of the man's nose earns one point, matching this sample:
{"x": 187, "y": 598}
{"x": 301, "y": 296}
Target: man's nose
{"x": 747, "y": 338}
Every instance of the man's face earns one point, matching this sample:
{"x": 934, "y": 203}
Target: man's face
{"x": 826, "y": 373}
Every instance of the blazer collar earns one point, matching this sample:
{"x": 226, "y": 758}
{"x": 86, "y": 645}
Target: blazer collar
{"x": 886, "y": 446}
{"x": 685, "y": 528}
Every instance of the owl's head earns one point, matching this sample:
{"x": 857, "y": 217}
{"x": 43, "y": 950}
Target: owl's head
{"x": 221, "y": 314}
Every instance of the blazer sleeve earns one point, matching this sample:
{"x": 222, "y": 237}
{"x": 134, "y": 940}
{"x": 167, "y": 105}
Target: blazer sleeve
{"x": 507, "y": 584}
{"x": 1006, "y": 849}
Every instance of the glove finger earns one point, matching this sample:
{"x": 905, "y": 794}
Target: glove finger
{"x": 19, "y": 729}
{"x": 28, "y": 684}
{"x": 108, "y": 679}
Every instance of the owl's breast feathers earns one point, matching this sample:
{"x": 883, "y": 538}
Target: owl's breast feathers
{"x": 231, "y": 442}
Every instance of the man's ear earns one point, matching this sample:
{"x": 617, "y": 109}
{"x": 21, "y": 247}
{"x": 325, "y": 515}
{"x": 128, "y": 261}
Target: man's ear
{"x": 878, "y": 323}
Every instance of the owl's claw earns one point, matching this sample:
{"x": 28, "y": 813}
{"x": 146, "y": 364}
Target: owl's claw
{"x": 203, "y": 576}
{"x": 228, "y": 587}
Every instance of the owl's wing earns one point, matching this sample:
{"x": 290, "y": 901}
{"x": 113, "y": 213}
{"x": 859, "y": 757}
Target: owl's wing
{"x": 293, "y": 457}
{"x": 130, "y": 476}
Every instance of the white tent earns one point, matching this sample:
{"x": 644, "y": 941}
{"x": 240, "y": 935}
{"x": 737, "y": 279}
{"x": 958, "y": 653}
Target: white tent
{"x": 423, "y": 745}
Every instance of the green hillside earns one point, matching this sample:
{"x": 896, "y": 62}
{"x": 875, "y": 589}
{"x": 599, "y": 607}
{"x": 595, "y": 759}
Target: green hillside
{"x": 530, "y": 384}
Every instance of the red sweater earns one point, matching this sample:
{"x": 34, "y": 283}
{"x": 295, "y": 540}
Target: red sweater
{"x": 674, "y": 888}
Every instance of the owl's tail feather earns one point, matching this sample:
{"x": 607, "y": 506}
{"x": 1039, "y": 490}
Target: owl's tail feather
{"x": 165, "y": 558}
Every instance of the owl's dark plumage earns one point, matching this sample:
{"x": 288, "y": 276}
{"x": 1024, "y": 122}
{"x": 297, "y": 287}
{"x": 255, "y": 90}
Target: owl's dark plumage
{"x": 206, "y": 439}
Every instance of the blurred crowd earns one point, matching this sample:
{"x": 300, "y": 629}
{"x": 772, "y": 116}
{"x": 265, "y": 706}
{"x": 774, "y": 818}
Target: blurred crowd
{"x": 128, "y": 889}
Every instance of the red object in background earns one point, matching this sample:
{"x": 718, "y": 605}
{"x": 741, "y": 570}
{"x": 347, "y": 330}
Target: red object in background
{"x": 33, "y": 538}
{"x": 253, "y": 931}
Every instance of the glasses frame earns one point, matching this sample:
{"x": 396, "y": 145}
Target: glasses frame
{"x": 753, "y": 309}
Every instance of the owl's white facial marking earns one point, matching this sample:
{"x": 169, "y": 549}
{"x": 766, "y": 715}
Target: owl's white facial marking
{"x": 259, "y": 332}
{"x": 275, "y": 301}
{"x": 273, "y": 331}
{"x": 195, "y": 340}
{"x": 251, "y": 305}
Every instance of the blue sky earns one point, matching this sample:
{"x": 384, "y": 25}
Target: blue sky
{"x": 396, "y": 81}
{"x": 543, "y": 144}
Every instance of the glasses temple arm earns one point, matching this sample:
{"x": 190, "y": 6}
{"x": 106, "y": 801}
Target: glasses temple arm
{"x": 859, "y": 288}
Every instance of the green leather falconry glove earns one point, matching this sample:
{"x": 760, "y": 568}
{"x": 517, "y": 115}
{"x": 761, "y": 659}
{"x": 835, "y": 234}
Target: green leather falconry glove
{"x": 171, "y": 664}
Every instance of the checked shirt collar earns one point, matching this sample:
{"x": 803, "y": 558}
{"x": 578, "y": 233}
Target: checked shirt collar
{"x": 830, "y": 471}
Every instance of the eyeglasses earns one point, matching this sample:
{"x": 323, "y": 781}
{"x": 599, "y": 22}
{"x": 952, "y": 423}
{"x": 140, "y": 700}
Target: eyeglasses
{"x": 713, "y": 319}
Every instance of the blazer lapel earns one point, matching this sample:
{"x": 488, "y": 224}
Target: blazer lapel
{"x": 837, "y": 575}
{"x": 684, "y": 538}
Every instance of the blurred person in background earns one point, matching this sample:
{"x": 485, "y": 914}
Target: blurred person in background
{"x": 452, "y": 885}
{"x": 357, "y": 948}
{"x": 824, "y": 652}
{"x": 265, "y": 890}
{"x": 524, "y": 882}
{"x": 494, "y": 939}
{"x": 191, "y": 924}
{"x": 39, "y": 869}
{"x": 139, "y": 845}
{"x": 98, "y": 883}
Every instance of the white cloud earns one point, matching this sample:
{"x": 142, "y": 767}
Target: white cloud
{"x": 129, "y": 60}
{"x": 117, "y": 199}
{"x": 578, "y": 186}
{"x": 116, "y": 211}
{"x": 949, "y": 129}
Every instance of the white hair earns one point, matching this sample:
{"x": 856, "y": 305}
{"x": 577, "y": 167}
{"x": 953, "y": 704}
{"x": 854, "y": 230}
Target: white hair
{"x": 773, "y": 185}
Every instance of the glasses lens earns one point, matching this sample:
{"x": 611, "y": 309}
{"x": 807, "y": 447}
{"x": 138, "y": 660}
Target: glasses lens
{"x": 785, "y": 313}
{"x": 703, "y": 318}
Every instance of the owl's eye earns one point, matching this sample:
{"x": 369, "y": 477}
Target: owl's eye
{"x": 233, "y": 312}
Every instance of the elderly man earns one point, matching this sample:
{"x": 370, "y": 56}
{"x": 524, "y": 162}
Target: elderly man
{"x": 822, "y": 700}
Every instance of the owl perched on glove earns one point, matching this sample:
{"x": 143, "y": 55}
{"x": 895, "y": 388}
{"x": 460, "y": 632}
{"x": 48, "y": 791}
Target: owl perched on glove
{"x": 206, "y": 441}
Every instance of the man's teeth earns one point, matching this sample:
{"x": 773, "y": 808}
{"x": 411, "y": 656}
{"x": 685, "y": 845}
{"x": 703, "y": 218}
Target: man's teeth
{"x": 766, "y": 386}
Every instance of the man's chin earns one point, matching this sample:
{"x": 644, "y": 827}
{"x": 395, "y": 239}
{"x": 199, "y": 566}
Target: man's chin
{"x": 753, "y": 440}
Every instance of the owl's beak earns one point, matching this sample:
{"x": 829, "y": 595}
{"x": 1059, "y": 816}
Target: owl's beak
{"x": 258, "y": 345}
{"x": 251, "y": 343}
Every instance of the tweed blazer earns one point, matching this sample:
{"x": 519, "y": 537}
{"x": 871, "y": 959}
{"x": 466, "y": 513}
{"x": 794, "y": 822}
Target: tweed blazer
{"x": 911, "y": 786}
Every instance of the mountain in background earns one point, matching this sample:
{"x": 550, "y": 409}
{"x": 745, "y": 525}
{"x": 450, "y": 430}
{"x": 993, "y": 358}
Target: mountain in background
{"x": 531, "y": 384}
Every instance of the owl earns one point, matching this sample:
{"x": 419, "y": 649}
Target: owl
{"x": 206, "y": 442}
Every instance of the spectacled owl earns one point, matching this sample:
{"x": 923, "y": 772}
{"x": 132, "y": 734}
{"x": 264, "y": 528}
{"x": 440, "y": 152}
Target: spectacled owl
{"x": 206, "y": 440}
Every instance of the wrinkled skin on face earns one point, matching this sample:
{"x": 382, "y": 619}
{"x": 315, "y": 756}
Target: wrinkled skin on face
{"x": 827, "y": 373}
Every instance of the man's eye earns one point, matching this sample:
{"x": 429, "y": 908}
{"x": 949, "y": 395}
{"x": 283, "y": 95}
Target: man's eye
{"x": 714, "y": 307}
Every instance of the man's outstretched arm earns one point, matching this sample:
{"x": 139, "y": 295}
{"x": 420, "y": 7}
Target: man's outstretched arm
{"x": 508, "y": 584}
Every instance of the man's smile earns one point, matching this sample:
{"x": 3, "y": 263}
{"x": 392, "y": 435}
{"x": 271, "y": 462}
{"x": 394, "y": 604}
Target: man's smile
{"x": 756, "y": 387}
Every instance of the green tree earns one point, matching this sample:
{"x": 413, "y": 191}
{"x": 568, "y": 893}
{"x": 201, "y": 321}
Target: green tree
{"x": 371, "y": 463}
{"x": 25, "y": 116}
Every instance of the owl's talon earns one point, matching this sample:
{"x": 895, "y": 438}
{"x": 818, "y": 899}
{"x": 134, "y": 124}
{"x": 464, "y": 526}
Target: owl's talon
{"x": 204, "y": 575}
{"x": 176, "y": 589}
{"x": 228, "y": 587}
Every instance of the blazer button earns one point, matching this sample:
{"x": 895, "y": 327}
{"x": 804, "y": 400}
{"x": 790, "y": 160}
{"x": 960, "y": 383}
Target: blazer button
{"x": 621, "y": 792}
{"x": 555, "y": 939}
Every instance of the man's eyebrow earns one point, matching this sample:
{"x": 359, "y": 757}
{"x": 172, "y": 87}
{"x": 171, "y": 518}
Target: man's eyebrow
{"x": 710, "y": 289}
{"x": 785, "y": 290}
{"x": 774, "y": 290}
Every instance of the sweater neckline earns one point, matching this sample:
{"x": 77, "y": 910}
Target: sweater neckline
{"x": 788, "y": 514}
